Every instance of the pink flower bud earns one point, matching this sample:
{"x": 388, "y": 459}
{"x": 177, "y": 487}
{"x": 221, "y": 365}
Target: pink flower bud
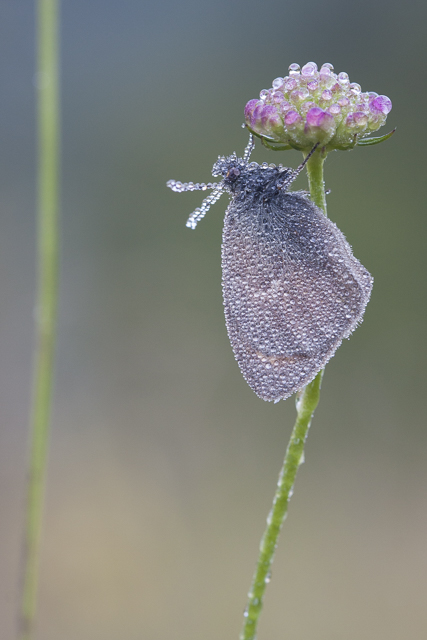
{"x": 292, "y": 118}
{"x": 381, "y": 104}
{"x": 249, "y": 109}
{"x": 310, "y": 106}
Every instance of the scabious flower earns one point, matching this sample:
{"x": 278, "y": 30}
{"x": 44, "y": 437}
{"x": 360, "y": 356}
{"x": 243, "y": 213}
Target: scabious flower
{"x": 309, "y": 106}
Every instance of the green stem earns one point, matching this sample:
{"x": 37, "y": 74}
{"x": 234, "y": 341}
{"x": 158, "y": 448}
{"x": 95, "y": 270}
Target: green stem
{"x": 316, "y": 183}
{"x": 307, "y": 401}
{"x": 46, "y": 305}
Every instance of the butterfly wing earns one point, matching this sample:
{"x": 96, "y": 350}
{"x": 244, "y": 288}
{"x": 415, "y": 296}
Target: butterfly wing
{"x": 292, "y": 291}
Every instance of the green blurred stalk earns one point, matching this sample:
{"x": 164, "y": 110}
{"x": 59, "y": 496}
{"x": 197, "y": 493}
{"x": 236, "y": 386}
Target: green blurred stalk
{"x": 307, "y": 401}
{"x": 46, "y": 304}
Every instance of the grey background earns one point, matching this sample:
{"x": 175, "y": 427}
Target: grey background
{"x": 163, "y": 462}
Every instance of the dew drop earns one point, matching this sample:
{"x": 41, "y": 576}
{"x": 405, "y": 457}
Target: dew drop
{"x": 309, "y": 69}
{"x": 290, "y": 84}
{"x": 277, "y": 83}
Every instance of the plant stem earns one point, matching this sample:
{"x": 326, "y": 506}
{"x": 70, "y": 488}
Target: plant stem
{"x": 307, "y": 401}
{"x": 46, "y": 305}
{"x": 316, "y": 183}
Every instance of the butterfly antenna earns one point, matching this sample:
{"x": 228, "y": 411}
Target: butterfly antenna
{"x": 201, "y": 211}
{"x": 302, "y": 165}
{"x": 179, "y": 187}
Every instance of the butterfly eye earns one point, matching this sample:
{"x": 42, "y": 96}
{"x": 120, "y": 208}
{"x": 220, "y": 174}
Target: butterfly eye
{"x": 233, "y": 173}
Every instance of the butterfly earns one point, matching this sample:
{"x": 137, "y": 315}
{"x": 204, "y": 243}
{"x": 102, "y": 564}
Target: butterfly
{"x": 292, "y": 288}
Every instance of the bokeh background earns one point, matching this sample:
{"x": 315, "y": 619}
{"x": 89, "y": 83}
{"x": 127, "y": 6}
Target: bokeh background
{"x": 163, "y": 462}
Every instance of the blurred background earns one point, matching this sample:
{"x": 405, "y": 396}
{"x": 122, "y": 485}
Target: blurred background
{"x": 163, "y": 462}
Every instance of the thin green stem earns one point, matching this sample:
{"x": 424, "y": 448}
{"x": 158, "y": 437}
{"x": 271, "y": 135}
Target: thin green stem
{"x": 316, "y": 183}
{"x": 46, "y": 305}
{"x": 307, "y": 401}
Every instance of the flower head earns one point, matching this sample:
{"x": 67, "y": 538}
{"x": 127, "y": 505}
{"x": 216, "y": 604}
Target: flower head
{"x": 309, "y": 106}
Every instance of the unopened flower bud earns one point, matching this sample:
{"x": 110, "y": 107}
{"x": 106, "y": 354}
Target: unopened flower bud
{"x": 311, "y": 105}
